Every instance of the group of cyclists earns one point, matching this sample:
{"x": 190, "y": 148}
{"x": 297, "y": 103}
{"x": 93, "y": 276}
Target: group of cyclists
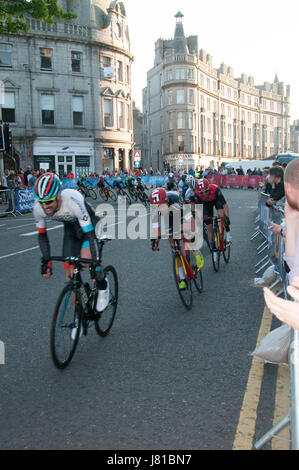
{"x": 80, "y": 221}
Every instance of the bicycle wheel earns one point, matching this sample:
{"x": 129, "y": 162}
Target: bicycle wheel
{"x": 91, "y": 193}
{"x": 126, "y": 195}
{"x": 133, "y": 195}
{"x": 65, "y": 328}
{"x": 186, "y": 293}
{"x": 106, "y": 318}
{"x": 103, "y": 195}
{"x": 198, "y": 280}
{"x": 206, "y": 236}
{"x": 227, "y": 246}
{"x": 143, "y": 197}
{"x": 216, "y": 252}
{"x": 112, "y": 195}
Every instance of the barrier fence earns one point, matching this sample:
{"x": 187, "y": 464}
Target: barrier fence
{"x": 273, "y": 246}
{"x": 23, "y": 199}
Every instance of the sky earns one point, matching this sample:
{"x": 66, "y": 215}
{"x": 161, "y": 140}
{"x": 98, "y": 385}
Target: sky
{"x": 258, "y": 37}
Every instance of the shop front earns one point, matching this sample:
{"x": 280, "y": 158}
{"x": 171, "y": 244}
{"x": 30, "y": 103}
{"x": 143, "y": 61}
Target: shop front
{"x": 65, "y": 157}
{"x": 183, "y": 161}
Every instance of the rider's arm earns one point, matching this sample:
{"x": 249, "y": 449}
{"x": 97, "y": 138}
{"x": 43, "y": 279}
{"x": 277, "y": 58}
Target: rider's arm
{"x": 43, "y": 239}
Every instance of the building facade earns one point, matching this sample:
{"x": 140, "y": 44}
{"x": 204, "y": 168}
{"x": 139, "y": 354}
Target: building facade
{"x": 196, "y": 115}
{"x": 67, "y": 90}
{"x": 295, "y": 136}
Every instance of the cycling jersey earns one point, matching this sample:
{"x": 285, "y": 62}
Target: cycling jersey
{"x": 215, "y": 199}
{"x": 175, "y": 213}
{"x": 79, "y": 221}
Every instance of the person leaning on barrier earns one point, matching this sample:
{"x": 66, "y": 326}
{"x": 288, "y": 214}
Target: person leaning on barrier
{"x": 276, "y": 179}
{"x": 285, "y": 310}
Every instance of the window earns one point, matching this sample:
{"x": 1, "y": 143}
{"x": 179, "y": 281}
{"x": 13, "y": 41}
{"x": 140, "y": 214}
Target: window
{"x": 169, "y": 96}
{"x": 171, "y": 118}
{"x": 181, "y": 145}
{"x": 180, "y": 96}
{"x": 108, "y": 115}
{"x": 76, "y": 62}
{"x": 5, "y": 55}
{"x": 191, "y": 96}
{"x": 121, "y": 120}
{"x": 120, "y": 72}
{"x": 129, "y": 126}
{"x": 128, "y": 75}
{"x": 180, "y": 120}
{"x": 46, "y": 59}
{"x": 77, "y": 106}
{"x": 169, "y": 75}
{"x": 180, "y": 74}
{"x": 170, "y": 144}
{"x": 47, "y": 107}
{"x": 106, "y": 61}
{"x": 8, "y": 107}
{"x": 189, "y": 120}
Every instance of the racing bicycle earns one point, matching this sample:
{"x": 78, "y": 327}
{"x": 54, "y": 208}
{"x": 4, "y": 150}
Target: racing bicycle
{"x": 106, "y": 193}
{"x": 185, "y": 258}
{"x": 75, "y": 310}
{"x": 87, "y": 191}
{"x": 219, "y": 241}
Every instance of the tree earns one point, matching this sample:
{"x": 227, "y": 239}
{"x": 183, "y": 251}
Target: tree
{"x": 13, "y": 14}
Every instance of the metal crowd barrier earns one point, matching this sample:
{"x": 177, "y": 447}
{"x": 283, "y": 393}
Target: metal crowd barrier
{"x": 8, "y": 202}
{"x": 274, "y": 245}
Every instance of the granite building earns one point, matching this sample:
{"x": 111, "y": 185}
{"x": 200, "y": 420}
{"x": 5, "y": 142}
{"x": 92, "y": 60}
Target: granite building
{"x": 67, "y": 90}
{"x": 195, "y": 114}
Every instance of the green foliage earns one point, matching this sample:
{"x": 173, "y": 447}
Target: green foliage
{"x": 13, "y": 13}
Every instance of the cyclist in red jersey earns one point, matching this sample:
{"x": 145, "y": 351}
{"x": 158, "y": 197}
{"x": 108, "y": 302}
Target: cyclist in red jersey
{"x": 210, "y": 195}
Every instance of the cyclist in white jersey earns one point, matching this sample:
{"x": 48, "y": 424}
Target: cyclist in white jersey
{"x": 79, "y": 219}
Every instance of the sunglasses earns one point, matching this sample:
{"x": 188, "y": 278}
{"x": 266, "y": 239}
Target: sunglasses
{"x": 47, "y": 203}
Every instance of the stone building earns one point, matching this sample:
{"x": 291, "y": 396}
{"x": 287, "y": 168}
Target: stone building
{"x": 67, "y": 90}
{"x": 195, "y": 114}
{"x": 295, "y": 136}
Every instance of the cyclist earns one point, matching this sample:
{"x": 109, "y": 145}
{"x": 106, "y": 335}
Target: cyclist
{"x": 170, "y": 183}
{"x": 140, "y": 184}
{"x": 210, "y": 195}
{"x": 183, "y": 186}
{"x": 118, "y": 184}
{"x": 79, "y": 221}
{"x": 162, "y": 200}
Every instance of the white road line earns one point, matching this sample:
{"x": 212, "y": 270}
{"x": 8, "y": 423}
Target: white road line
{"x": 20, "y": 226}
{"x": 35, "y": 232}
{"x": 2, "y": 225}
{"x": 19, "y": 252}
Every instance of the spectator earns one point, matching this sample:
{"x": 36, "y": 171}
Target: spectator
{"x": 71, "y": 175}
{"x": 285, "y": 310}
{"x": 266, "y": 186}
{"x": 276, "y": 180}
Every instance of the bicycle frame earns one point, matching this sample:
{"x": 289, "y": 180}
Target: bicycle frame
{"x": 219, "y": 230}
{"x": 186, "y": 265}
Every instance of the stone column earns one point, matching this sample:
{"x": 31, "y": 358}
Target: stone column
{"x": 98, "y": 157}
{"x": 116, "y": 159}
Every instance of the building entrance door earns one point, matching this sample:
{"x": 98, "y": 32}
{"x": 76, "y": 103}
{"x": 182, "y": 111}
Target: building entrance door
{"x": 65, "y": 164}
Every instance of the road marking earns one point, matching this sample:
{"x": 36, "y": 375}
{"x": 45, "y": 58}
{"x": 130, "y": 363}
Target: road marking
{"x": 248, "y": 415}
{"x": 19, "y": 252}
{"x": 35, "y": 232}
{"x": 19, "y": 226}
{"x": 2, "y": 225}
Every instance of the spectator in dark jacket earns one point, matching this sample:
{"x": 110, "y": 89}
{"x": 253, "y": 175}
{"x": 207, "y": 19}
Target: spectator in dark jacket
{"x": 276, "y": 179}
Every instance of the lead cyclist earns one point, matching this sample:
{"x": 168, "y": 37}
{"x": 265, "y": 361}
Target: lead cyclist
{"x": 79, "y": 220}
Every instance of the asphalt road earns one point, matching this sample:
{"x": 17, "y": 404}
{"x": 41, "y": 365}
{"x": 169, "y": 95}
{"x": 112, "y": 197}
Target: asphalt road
{"x": 164, "y": 378}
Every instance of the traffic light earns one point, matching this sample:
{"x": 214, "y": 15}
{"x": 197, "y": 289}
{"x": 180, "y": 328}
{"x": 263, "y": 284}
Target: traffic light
{"x": 2, "y": 142}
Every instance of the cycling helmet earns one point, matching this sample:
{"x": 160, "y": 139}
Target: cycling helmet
{"x": 203, "y": 185}
{"x": 189, "y": 179}
{"x": 158, "y": 196}
{"x": 170, "y": 175}
{"x": 47, "y": 187}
